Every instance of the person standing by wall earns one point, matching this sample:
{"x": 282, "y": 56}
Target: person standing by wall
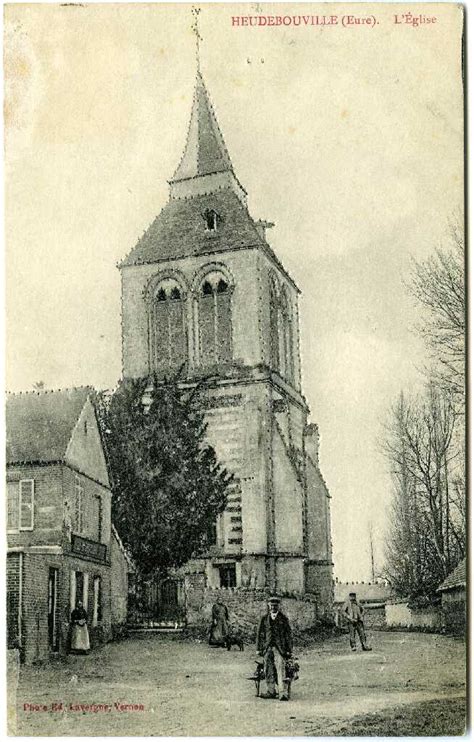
{"x": 353, "y": 613}
{"x": 219, "y": 624}
{"x": 79, "y": 632}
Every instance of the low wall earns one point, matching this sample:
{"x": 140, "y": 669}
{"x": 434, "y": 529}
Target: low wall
{"x": 245, "y": 607}
{"x": 400, "y": 615}
{"x": 374, "y": 617}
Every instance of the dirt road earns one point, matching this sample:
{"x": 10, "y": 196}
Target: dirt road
{"x": 158, "y": 686}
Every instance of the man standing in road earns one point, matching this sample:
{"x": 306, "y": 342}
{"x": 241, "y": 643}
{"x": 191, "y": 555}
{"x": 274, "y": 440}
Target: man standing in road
{"x": 275, "y": 645}
{"x": 353, "y": 612}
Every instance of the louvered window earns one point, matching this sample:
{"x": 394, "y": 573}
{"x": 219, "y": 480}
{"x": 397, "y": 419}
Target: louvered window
{"x": 168, "y": 328}
{"x": 274, "y": 335}
{"x": 281, "y": 332}
{"x": 215, "y": 320}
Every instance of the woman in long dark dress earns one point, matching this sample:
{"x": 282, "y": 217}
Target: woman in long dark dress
{"x": 219, "y": 626}
{"x": 80, "y": 643}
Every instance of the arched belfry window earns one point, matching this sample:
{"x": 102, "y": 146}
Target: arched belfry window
{"x": 274, "y": 334}
{"x": 167, "y": 327}
{"x": 281, "y": 331}
{"x": 286, "y": 336}
{"x": 215, "y": 319}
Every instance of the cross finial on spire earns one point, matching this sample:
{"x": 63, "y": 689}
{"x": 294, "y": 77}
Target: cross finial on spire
{"x": 195, "y": 28}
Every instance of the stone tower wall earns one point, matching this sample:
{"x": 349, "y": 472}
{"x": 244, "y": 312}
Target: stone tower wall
{"x": 246, "y": 334}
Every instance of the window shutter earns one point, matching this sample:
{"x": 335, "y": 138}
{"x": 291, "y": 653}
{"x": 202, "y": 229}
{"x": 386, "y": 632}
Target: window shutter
{"x": 26, "y": 504}
{"x": 13, "y": 507}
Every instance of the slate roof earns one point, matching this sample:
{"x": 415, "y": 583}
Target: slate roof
{"x": 205, "y": 151}
{"x": 39, "y": 425}
{"x": 457, "y": 578}
{"x": 179, "y": 230}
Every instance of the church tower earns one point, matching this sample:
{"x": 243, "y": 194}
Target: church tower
{"x": 203, "y": 289}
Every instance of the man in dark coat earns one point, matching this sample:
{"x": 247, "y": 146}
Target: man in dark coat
{"x": 275, "y": 645}
{"x": 220, "y": 624}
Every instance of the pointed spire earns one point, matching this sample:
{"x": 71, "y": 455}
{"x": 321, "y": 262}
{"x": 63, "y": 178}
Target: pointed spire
{"x": 205, "y": 153}
{"x": 195, "y": 29}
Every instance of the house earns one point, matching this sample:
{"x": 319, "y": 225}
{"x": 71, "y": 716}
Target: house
{"x": 61, "y": 544}
{"x": 203, "y": 292}
{"x": 122, "y": 568}
{"x": 453, "y": 599}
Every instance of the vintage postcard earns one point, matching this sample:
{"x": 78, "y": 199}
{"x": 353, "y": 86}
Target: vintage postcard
{"x": 235, "y": 373}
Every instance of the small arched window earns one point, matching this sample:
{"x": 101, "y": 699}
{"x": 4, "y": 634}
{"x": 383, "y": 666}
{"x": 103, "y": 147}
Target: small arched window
{"x": 215, "y": 320}
{"x": 211, "y": 217}
{"x": 168, "y": 331}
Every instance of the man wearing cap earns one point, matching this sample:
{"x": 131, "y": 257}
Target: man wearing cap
{"x": 353, "y": 612}
{"x": 275, "y": 645}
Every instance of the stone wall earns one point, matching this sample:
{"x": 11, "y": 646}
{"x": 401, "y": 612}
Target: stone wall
{"x": 374, "y": 617}
{"x": 319, "y": 583}
{"x": 242, "y": 267}
{"x": 245, "y": 607}
{"x": 399, "y": 615}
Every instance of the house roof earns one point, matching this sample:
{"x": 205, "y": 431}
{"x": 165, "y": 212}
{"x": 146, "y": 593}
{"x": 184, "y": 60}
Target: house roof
{"x": 122, "y": 548}
{"x": 205, "y": 151}
{"x": 371, "y": 592}
{"x": 179, "y": 229}
{"x": 39, "y": 425}
{"x": 457, "y": 578}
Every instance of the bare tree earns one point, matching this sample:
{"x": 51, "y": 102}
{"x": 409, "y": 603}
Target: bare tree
{"x": 370, "y": 529}
{"x": 438, "y": 284}
{"x": 425, "y": 539}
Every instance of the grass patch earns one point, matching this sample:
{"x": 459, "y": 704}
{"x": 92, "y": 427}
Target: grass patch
{"x": 442, "y": 717}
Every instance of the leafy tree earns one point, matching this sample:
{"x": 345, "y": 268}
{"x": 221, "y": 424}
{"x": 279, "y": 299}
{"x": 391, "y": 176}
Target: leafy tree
{"x": 168, "y": 487}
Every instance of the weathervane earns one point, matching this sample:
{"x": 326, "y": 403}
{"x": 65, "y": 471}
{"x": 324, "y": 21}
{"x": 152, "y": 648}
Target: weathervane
{"x": 195, "y": 29}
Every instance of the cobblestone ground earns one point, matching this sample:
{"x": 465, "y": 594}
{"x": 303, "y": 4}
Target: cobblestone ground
{"x": 189, "y": 688}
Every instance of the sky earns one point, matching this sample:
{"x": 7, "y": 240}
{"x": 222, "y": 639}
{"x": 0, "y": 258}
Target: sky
{"x": 348, "y": 138}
